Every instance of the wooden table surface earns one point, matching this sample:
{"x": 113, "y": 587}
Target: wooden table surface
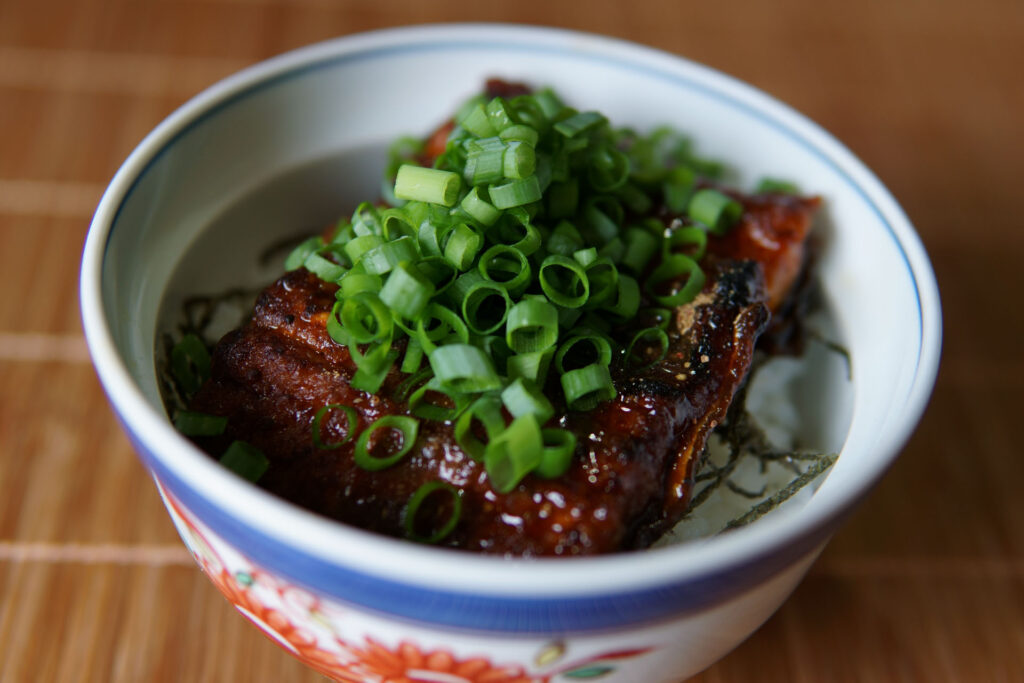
{"x": 925, "y": 583}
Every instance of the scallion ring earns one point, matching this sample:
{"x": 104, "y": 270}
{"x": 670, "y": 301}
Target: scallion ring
{"x": 351, "y": 423}
{"x": 411, "y": 513}
{"x": 407, "y": 290}
{"x": 564, "y": 281}
{"x": 559, "y": 447}
{"x": 585, "y": 387}
{"x": 671, "y": 269}
{"x": 486, "y": 411}
{"x": 407, "y": 427}
{"x": 643, "y": 339}
{"x": 464, "y": 368}
{"x": 366, "y": 318}
{"x": 581, "y": 350}
{"x": 532, "y": 325}
{"x": 716, "y": 210}
{"x": 485, "y": 306}
{"x": 429, "y": 402}
{"x": 524, "y": 397}
{"x": 514, "y": 453}
{"x": 506, "y": 266}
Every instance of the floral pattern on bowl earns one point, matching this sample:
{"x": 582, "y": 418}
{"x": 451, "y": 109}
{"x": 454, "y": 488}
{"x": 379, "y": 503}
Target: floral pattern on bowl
{"x": 327, "y": 637}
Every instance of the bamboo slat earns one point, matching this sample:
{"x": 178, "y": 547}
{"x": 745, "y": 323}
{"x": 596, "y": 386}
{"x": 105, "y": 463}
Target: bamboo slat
{"x": 925, "y": 583}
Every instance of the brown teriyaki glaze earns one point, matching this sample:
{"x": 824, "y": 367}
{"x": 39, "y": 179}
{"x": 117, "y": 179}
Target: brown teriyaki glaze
{"x": 631, "y": 475}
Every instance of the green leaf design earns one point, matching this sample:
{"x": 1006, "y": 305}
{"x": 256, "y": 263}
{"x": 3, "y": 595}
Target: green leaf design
{"x": 590, "y": 672}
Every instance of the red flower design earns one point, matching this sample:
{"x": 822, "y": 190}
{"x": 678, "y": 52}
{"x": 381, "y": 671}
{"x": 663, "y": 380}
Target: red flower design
{"x": 297, "y": 641}
{"x": 408, "y": 664}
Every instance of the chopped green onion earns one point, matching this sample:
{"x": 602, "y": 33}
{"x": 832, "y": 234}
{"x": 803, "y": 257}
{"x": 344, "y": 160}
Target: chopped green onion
{"x": 462, "y": 246}
{"x": 422, "y": 402}
{"x": 191, "y": 423}
{"x": 407, "y": 427}
{"x": 524, "y": 237}
{"x": 523, "y": 397}
{"x": 498, "y": 114}
{"x": 357, "y": 246}
{"x": 641, "y": 246}
{"x": 717, "y": 211}
{"x": 678, "y": 188}
{"x": 384, "y": 258}
{"x": 776, "y": 186}
{"x": 190, "y": 363}
{"x": 370, "y": 376}
{"x": 411, "y": 383}
{"x": 411, "y": 513}
{"x": 366, "y": 220}
{"x": 413, "y": 357}
{"x": 565, "y": 239}
{"x": 564, "y": 281}
{"x": 427, "y": 185}
{"x": 407, "y": 290}
{"x": 511, "y": 455}
{"x": 672, "y": 267}
{"x": 626, "y": 301}
{"x": 548, "y": 103}
{"x": 559, "y": 447}
{"x": 484, "y": 163}
{"x": 519, "y": 160}
{"x": 478, "y": 208}
{"x": 532, "y": 365}
{"x": 366, "y": 318}
{"x": 578, "y": 123}
{"x": 245, "y": 460}
{"x": 604, "y": 280}
{"x": 487, "y": 411}
{"x": 506, "y": 266}
{"x": 477, "y": 122}
{"x": 521, "y": 133}
{"x": 585, "y": 387}
{"x": 448, "y": 323}
{"x": 298, "y": 255}
{"x": 563, "y": 198}
{"x": 515, "y": 193}
{"x": 485, "y": 306}
{"x": 691, "y": 238}
{"x": 335, "y": 329}
{"x": 398, "y": 223}
{"x": 643, "y": 337}
{"x": 438, "y": 271}
{"x": 603, "y": 227}
{"x": 351, "y": 422}
{"x": 432, "y": 238}
{"x": 583, "y": 349}
{"x": 608, "y": 169}
{"x": 464, "y": 368}
{"x": 636, "y": 199}
{"x": 532, "y": 325}
{"x": 354, "y": 283}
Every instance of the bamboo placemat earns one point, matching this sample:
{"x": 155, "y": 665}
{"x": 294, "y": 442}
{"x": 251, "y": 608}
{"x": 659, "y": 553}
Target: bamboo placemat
{"x": 926, "y": 582}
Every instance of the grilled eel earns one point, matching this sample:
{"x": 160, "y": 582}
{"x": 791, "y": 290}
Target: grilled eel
{"x": 632, "y": 473}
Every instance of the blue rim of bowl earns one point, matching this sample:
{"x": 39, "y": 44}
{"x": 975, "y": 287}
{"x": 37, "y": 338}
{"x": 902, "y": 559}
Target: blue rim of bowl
{"x": 511, "y": 614}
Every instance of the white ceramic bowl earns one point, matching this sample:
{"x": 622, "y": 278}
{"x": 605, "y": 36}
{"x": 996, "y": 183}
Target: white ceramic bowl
{"x": 309, "y": 125}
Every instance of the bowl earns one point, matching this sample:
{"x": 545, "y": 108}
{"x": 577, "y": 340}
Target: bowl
{"x": 296, "y": 140}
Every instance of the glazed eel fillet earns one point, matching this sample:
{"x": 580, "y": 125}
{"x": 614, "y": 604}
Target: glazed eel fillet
{"x": 632, "y": 473}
